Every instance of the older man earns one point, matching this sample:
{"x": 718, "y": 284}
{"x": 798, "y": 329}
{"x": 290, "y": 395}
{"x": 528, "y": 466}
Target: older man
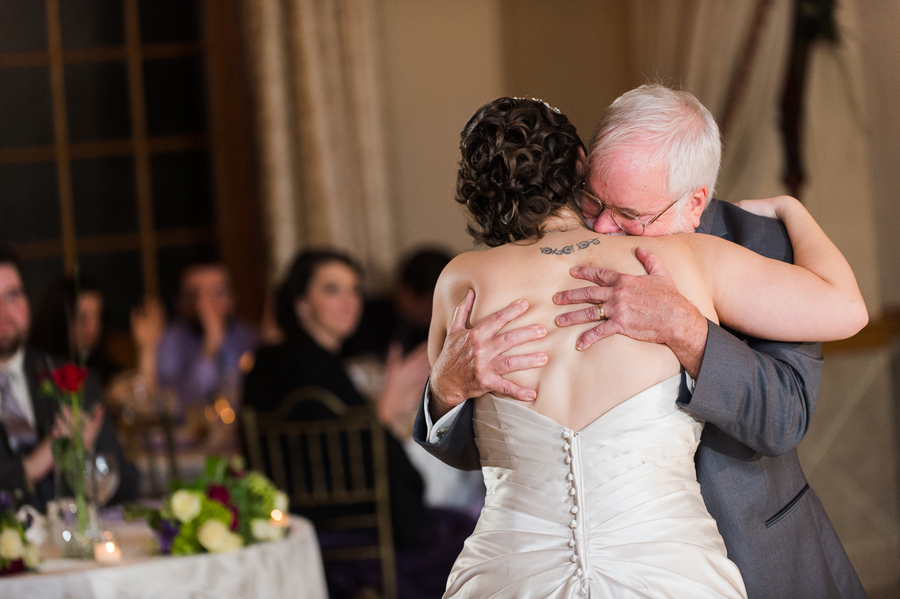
{"x": 29, "y": 419}
{"x": 654, "y": 160}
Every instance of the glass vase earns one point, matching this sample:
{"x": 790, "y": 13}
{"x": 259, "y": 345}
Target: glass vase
{"x": 74, "y": 524}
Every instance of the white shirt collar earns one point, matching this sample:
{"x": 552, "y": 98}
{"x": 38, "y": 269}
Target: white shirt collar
{"x": 16, "y": 365}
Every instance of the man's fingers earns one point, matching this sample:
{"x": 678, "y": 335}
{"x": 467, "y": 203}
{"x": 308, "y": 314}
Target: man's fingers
{"x": 582, "y": 295}
{"x": 522, "y": 362}
{"x": 510, "y": 339}
{"x": 504, "y": 387}
{"x": 600, "y": 276}
{"x": 652, "y": 263}
{"x": 496, "y": 321}
{"x": 461, "y": 313}
{"x": 595, "y": 334}
{"x": 590, "y": 314}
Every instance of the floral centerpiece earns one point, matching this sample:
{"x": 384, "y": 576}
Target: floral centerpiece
{"x": 19, "y": 540}
{"x": 227, "y": 507}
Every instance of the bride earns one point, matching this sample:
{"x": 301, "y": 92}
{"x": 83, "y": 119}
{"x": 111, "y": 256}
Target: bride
{"x": 591, "y": 488}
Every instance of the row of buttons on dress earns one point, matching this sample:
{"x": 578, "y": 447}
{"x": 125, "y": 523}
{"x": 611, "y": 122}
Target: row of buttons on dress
{"x": 569, "y": 450}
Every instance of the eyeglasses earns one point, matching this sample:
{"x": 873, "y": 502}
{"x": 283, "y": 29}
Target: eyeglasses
{"x": 625, "y": 219}
{"x": 12, "y": 296}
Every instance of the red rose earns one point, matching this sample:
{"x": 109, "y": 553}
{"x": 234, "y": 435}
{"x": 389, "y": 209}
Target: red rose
{"x": 69, "y": 377}
{"x": 220, "y": 493}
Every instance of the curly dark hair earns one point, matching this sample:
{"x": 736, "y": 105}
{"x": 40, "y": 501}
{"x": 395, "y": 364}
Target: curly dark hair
{"x": 518, "y": 166}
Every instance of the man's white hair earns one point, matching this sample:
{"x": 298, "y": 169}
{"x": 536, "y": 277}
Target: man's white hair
{"x": 672, "y": 126}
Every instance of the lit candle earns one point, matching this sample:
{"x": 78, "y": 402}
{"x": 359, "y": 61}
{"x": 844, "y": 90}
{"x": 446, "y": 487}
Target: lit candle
{"x": 280, "y": 519}
{"x": 107, "y": 553}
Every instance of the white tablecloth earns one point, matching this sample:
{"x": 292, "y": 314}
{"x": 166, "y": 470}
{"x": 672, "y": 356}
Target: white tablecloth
{"x": 291, "y": 568}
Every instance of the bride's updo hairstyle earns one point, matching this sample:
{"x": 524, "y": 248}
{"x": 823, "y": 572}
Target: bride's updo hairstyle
{"x": 518, "y": 166}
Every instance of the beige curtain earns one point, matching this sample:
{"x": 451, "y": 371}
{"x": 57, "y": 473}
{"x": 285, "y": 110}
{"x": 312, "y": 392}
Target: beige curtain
{"x": 319, "y": 122}
{"x": 698, "y": 44}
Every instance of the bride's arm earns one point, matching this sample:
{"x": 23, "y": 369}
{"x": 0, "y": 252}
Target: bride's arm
{"x": 814, "y": 299}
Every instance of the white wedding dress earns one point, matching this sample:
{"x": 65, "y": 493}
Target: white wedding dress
{"x": 611, "y": 511}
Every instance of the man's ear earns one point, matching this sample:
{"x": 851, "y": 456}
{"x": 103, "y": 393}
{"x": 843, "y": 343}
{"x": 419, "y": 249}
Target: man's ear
{"x": 581, "y": 163}
{"x": 697, "y": 204}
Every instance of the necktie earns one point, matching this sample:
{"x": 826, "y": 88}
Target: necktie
{"x": 18, "y": 429}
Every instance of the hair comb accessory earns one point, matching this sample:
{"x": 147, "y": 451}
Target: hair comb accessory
{"x": 553, "y": 108}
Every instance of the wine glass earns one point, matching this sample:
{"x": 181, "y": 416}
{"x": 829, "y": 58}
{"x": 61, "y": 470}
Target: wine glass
{"x": 104, "y": 468}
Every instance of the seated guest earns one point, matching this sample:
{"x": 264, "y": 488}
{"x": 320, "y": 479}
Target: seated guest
{"x": 201, "y": 351}
{"x": 404, "y": 316}
{"x": 71, "y": 321}
{"x": 318, "y": 308}
{"x": 387, "y": 353}
{"x": 30, "y": 419}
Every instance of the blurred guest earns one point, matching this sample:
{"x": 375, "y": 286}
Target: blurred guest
{"x": 404, "y": 331}
{"x": 387, "y": 353}
{"x": 71, "y": 321}
{"x": 405, "y": 316}
{"x": 30, "y": 419}
{"x": 202, "y": 352}
{"x": 137, "y": 388}
{"x": 318, "y": 307}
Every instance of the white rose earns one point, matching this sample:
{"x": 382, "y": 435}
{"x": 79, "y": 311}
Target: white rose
{"x": 11, "y": 546}
{"x": 214, "y": 536}
{"x": 185, "y": 505}
{"x": 281, "y": 501}
{"x": 32, "y": 556}
{"x": 234, "y": 541}
{"x": 264, "y": 530}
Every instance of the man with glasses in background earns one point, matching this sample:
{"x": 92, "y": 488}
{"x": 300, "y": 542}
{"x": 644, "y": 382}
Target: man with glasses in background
{"x": 653, "y": 163}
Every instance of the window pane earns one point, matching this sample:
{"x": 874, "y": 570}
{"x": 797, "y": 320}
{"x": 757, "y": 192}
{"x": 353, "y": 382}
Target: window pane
{"x": 120, "y": 276}
{"x": 29, "y": 202}
{"x": 23, "y": 26}
{"x": 104, "y": 193}
{"x": 172, "y": 261}
{"x": 182, "y": 193}
{"x": 26, "y": 107}
{"x": 175, "y": 96}
{"x": 91, "y": 23}
{"x": 97, "y": 101}
{"x": 169, "y": 21}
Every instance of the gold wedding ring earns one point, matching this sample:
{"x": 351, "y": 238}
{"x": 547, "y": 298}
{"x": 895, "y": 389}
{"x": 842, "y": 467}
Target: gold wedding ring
{"x": 602, "y": 314}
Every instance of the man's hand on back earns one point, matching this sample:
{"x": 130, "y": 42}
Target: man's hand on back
{"x": 471, "y": 362}
{"x": 646, "y": 308}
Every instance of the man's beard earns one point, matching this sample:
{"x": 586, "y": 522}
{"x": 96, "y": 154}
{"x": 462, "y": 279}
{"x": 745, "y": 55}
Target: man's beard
{"x": 10, "y": 345}
{"x": 680, "y": 223}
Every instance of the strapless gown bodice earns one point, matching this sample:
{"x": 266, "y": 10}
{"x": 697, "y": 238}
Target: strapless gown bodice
{"x": 612, "y": 510}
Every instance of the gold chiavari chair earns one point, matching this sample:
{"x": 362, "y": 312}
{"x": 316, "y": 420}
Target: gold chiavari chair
{"x": 337, "y": 462}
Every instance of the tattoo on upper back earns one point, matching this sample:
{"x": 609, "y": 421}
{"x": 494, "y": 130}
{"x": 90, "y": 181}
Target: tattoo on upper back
{"x": 568, "y": 249}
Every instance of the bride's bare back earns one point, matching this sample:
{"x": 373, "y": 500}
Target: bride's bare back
{"x": 575, "y": 387}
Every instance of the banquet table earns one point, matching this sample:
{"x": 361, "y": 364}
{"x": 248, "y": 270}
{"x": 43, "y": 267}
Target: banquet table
{"x": 291, "y": 567}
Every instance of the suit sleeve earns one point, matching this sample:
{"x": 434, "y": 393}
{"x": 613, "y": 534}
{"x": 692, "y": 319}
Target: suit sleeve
{"x": 456, "y": 447}
{"x": 12, "y": 473}
{"x": 762, "y": 393}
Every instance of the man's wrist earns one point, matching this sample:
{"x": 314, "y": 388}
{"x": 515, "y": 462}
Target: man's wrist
{"x": 437, "y": 407}
{"x": 689, "y": 345}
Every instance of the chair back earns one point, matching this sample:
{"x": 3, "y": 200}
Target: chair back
{"x": 339, "y": 459}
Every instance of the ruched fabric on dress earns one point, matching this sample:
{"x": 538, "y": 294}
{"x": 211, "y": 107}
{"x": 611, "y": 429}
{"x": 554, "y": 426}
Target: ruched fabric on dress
{"x": 613, "y": 510}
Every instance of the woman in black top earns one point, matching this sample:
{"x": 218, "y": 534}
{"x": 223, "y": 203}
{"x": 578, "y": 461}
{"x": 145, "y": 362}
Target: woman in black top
{"x": 319, "y": 307}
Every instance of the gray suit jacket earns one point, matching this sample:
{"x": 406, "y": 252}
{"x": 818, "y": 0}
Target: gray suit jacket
{"x": 757, "y": 398}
